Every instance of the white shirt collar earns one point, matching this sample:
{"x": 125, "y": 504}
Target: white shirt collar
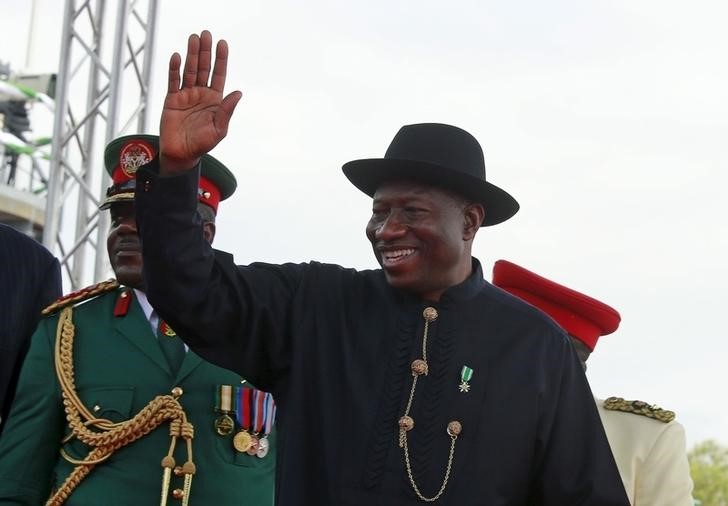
{"x": 149, "y": 312}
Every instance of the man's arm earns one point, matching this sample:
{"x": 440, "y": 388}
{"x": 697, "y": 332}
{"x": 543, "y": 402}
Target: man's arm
{"x": 237, "y": 318}
{"x": 663, "y": 478}
{"x": 576, "y": 465}
{"x": 233, "y": 316}
{"x": 31, "y": 438}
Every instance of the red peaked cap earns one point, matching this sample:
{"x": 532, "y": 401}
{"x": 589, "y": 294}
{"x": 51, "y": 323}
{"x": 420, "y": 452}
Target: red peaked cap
{"x": 581, "y": 316}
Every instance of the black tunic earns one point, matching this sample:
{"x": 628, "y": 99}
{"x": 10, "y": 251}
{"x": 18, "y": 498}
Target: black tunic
{"x": 334, "y": 345}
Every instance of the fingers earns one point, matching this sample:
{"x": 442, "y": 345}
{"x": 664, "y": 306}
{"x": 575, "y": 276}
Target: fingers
{"x": 191, "y": 61}
{"x": 173, "y": 78}
{"x": 227, "y": 107}
{"x": 198, "y": 62}
{"x": 219, "y": 73}
{"x": 230, "y": 102}
{"x": 203, "y": 65}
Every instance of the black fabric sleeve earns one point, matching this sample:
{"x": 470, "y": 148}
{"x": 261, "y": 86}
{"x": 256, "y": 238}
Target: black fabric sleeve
{"x": 575, "y": 460}
{"x": 233, "y": 316}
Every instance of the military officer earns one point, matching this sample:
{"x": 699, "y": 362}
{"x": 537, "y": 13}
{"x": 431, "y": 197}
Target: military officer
{"x": 648, "y": 445}
{"x": 108, "y": 391}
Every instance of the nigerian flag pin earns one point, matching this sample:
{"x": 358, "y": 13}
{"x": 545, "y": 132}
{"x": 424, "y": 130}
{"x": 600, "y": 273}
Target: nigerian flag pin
{"x": 465, "y": 376}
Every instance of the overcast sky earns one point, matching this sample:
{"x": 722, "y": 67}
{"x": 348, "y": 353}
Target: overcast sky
{"x": 607, "y": 120}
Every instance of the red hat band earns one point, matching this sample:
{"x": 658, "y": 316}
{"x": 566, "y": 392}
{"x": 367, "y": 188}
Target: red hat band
{"x": 208, "y": 193}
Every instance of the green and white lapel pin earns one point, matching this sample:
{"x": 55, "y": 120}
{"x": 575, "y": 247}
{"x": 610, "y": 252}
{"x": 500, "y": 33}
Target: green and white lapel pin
{"x": 465, "y": 375}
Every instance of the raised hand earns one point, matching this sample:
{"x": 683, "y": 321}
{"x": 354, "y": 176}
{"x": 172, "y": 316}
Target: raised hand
{"x": 195, "y": 116}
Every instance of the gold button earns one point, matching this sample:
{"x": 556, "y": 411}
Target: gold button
{"x": 454, "y": 428}
{"x": 177, "y": 392}
{"x": 430, "y": 314}
{"x": 419, "y": 367}
{"x": 97, "y": 408}
{"x": 178, "y": 493}
{"x": 407, "y": 423}
{"x": 178, "y": 471}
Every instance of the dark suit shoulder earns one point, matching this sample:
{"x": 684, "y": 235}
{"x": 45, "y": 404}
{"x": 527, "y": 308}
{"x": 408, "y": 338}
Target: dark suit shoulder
{"x": 514, "y": 307}
{"x": 16, "y": 240}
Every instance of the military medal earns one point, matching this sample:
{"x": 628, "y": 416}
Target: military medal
{"x": 269, "y": 416}
{"x": 224, "y": 424}
{"x": 258, "y": 411}
{"x": 465, "y": 374}
{"x": 253, "y": 449}
{"x": 263, "y": 447}
{"x": 255, "y": 412}
{"x": 243, "y": 440}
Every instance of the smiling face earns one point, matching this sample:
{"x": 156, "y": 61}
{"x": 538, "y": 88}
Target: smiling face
{"x": 123, "y": 245}
{"x": 422, "y": 236}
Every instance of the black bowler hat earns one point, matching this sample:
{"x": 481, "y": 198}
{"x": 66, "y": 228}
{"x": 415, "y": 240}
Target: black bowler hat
{"x": 440, "y": 155}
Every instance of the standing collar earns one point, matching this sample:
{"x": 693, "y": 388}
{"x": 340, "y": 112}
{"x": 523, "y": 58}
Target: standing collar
{"x": 468, "y": 288}
{"x": 461, "y": 292}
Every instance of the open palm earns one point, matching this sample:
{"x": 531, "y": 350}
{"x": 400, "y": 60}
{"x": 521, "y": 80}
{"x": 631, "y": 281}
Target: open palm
{"x": 195, "y": 116}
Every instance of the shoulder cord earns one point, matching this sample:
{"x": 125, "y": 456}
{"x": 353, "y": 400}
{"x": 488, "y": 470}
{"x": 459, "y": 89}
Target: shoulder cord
{"x": 108, "y": 436}
{"x": 81, "y": 295}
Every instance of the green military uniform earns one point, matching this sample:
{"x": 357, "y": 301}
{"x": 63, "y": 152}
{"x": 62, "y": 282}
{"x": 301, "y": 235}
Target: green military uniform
{"x": 119, "y": 368}
{"x": 117, "y": 371}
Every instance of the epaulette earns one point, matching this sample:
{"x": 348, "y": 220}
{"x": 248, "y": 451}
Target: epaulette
{"x": 81, "y": 295}
{"x": 639, "y": 408}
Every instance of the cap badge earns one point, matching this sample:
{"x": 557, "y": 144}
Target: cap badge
{"x": 133, "y": 155}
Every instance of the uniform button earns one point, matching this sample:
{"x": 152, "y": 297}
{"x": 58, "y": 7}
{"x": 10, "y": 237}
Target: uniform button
{"x": 97, "y": 408}
{"x": 178, "y": 471}
{"x": 177, "y": 392}
{"x": 178, "y": 493}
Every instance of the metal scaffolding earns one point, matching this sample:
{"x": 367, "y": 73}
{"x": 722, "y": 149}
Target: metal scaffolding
{"x": 89, "y": 98}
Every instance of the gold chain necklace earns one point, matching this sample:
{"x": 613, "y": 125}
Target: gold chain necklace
{"x": 406, "y": 422}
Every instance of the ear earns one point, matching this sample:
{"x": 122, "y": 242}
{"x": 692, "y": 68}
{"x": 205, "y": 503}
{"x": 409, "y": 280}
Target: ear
{"x": 473, "y": 214}
{"x": 208, "y": 231}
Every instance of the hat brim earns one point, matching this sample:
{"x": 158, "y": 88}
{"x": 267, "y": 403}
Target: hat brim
{"x": 214, "y": 170}
{"x": 368, "y": 174}
{"x": 115, "y": 199}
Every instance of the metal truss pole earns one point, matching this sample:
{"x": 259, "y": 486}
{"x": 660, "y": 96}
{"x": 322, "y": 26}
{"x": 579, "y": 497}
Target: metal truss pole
{"x": 83, "y": 219}
{"x": 116, "y": 89}
{"x": 112, "y": 128}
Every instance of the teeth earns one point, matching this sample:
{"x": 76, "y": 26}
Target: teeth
{"x": 393, "y": 255}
